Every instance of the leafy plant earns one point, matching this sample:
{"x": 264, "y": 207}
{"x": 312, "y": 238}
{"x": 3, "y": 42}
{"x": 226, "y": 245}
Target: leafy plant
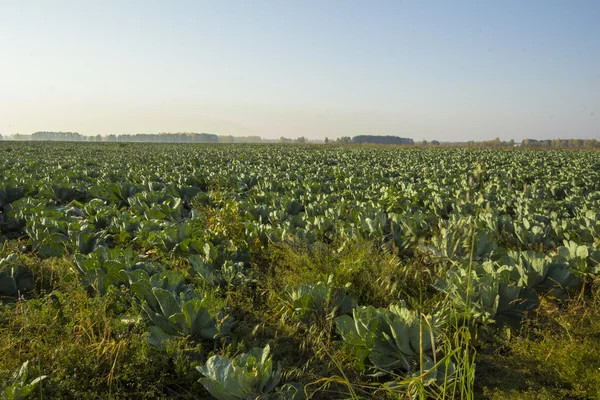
{"x": 487, "y": 295}
{"x": 106, "y": 267}
{"x": 539, "y": 272}
{"x": 142, "y": 283}
{"x": 247, "y": 376}
{"x": 531, "y": 233}
{"x": 407, "y": 229}
{"x": 581, "y": 259}
{"x": 229, "y": 273}
{"x": 454, "y": 240}
{"x": 14, "y": 280}
{"x": 9, "y": 194}
{"x": 18, "y": 388}
{"x": 321, "y": 300}
{"x": 174, "y": 312}
{"x": 389, "y": 338}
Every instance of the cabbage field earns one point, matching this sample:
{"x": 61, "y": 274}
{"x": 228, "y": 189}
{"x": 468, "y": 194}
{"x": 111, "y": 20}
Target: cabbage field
{"x": 300, "y": 271}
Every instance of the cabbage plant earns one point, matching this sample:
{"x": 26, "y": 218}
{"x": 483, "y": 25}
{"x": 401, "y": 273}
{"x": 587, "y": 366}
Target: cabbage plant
{"x": 229, "y": 273}
{"x": 581, "y": 258}
{"x": 106, "y": 267}
{"x": 174, "y": 312}
{"x": 390, "y": 338}
{"x": 539, "y": 272}
{"x": 247, "y": 376}
{"x": 487, "y": 294}
{"x": 9, "y": 194}
{"x": 456, "y": 237}
{"x": 321, "y": 300}
{"x": 18, "y": 388}
{"x": 14, "y": 280}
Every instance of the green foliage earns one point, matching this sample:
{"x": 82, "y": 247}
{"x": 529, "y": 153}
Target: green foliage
{"x": 230, "y": 273}
{"x": 175, "y": 312}
{"x": 454, "y": 240}
{"x": 487, "y": 294}
{"x": 18, "y": 388}
{"x": 389, "y": 338}
{"x": 15, "y": 281}
{"x": 535, "y": 270}
{"x": 9, "y": 194}
{"x": 247, "y": 376}
{"x": 112, "y": 240}
{"x": 91, "y": 347}
{"x": 106, "y": 267}
{"x": 311, "y": 302}
{"x": 559, "y": 359}
{"x": 581, "y": 259}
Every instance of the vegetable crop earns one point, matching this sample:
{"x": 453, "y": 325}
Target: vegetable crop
{"x": 201, "y": 249}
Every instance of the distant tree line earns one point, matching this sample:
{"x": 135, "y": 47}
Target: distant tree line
{"x": 361, "y": 139}
{"x": 562, "y": 143}
{"x": 547, "y": 143}
{"x": 164, "y": 137}
{"x": 492, "y": 143}
{"x": 373, "y": 139}
{"x": 240, "y": 139}
{"x": 56, "y": 136}
{"x": 527, "y": 143}
{"x": 184, "y": 137}
{"x": 192, "y": 137}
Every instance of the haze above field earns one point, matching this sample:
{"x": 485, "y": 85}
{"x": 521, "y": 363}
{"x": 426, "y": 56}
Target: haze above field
{"x": 452, "y": 71}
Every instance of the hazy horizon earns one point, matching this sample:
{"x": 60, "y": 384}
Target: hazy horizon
{"x": 459, "y": 71}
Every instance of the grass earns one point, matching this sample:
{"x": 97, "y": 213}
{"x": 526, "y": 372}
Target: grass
{"x": 557, "y": 355}
{"x": 83, "y": 343}
{"x": 93, "y": 346}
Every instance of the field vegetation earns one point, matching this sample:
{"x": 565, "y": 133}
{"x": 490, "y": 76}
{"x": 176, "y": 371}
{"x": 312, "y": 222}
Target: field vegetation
{"x": 192, "y": 271}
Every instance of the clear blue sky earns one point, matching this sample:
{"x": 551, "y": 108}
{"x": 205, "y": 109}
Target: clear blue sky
{"x": 446, "y": 70}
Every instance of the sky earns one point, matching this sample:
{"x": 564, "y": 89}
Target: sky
{"x": 429, "y": 70}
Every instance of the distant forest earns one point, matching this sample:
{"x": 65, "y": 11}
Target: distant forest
{"x": 533, "y": 143}
{"x": 381, "y": 140}
{"x": 179, "y": 137}
{"x": 138, "y": 137}
{"x": 569, "y": 143}
{"x": 192, "y": 137}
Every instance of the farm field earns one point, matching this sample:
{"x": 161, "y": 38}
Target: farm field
{"x": 189, "y": 271}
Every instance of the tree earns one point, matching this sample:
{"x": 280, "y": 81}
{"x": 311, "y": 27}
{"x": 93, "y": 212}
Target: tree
{"x": 376, "y": 139}
{"x": 226, "y": 139}
{"x": 326, "y": 140}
